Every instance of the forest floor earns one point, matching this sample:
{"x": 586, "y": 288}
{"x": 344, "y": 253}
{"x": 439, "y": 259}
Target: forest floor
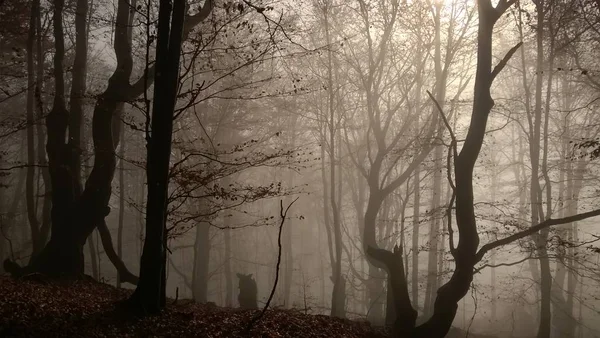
{"x": 39, "y": 308}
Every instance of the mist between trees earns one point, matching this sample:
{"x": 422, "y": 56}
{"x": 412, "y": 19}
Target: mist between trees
{"x": 443, "y": 155}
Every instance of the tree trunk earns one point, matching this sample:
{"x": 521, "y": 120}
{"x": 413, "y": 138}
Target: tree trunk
{"x": 537, "y": 212}
{"x": 330, "y": 198}
{"x": 140, "y": 216}
{"x": 434, "y": 232}
{"x": 494, "y": 301}
{"x": 121, "y": 199}
{"x": 201, "y": 262}
{"x": 403, "y": 313}
{"x": 149, "y": 296}
{"x": 64, "y": 252}
{"x": 228, "y": 254}
{"x": 375, "y": 283}
{"x": 288, "y": 234}
{"x": 73, "y": 217}
{"x": 417, "y": 182}
{"x": 29, "y": 186}
{"x": 326, "y": 201}
{"x": 415, "y": 239}
{"x": 63, "y": 255}
{"x": 442, "y": 248}
{"x": 41, "y": 134}
{"x": 440, "y": 95}
{"x": 93, "y": 258}
{"x": 465, "y": 254}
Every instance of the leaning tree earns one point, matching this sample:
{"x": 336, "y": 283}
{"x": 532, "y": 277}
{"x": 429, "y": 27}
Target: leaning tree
{"x": 466, "y": 253}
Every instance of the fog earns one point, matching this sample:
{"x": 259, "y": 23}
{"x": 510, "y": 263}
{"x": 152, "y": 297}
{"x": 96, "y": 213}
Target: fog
{"x": 343, "y": 148}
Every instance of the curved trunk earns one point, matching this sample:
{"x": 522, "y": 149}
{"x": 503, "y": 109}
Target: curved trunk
{"x": 74, "y": 217}
{"x": 448, "y": 296}
{"x": 375, "y": 284}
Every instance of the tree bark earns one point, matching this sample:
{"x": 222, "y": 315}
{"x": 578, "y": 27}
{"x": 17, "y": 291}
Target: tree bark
{"x": 121, "y": 198}
{"x": 93, "y": 258}
{"x": 288, "y": 273}
{"x": 41, "y": 134}
{"x": 537, "y": 212}
{"x": 440, "y": 93}
{"x": 201, "y": 262}
{"x": 338, "y": 294}
{"x": 149, "y": 296}
{"x": 73, "y": 219}
{"x": 29, "y": 185}
{"x": 227, "y": 268}
{"x": 465, "y": 254}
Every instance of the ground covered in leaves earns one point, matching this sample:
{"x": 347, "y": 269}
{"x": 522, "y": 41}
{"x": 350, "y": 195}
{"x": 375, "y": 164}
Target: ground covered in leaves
{"x": 39, "y": 308}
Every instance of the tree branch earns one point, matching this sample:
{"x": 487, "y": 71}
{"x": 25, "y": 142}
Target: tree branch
{"x": 452, "y": 150}
{"x": 532, "y": 230}
{"x": 191, "y": 21}
{"x": 477, "y": 270}
{"x": 282, "y": 214}
{"x": 125, "y": 275}
{"x": 437, "y": 104}
{"x": 503, "y": 5}
{"x": 186, "y": 279}
{"x": 505, "y": 60}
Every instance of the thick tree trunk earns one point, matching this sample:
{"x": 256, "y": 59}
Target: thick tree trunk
{"x": 64, "y": 252}
{"x": 3, "y": 221}
{"x": 375, "y": 284}
{"x": 405, "y": 315}
{"x": 63, "y": 255}
{"x": 74, "y": 217}
{"x": 149, "y": 295}
{"x": 78, "y": 90}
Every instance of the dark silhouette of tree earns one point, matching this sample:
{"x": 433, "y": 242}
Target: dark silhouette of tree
{"x": 76, "y": 210}
{"x": 149, "y": 295}
{"x": 448, "y": 295}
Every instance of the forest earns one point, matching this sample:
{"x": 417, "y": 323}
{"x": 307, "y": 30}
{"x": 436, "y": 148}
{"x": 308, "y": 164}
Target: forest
{"x": 286, "y": 168}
